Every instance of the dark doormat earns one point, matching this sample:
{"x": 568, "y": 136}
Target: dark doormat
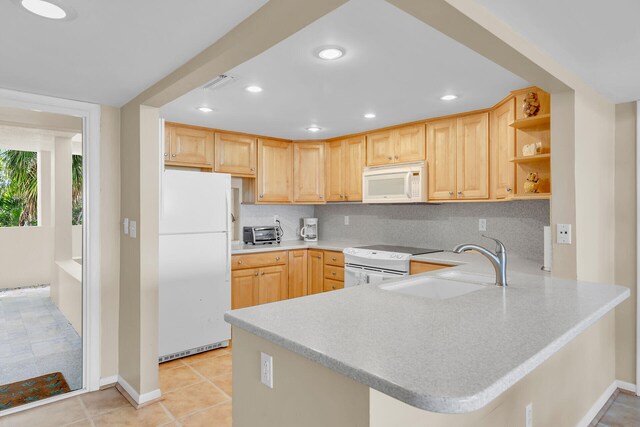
{"x": 31, "y": 390}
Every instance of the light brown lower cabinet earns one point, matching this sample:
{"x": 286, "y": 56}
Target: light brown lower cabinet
{"x": 332, "y": 285}
{"x": 273, "y": 284}
{"x": 298, "y": 272}
{"x": 244, "y": 288}
{"x": 316, "y": 271}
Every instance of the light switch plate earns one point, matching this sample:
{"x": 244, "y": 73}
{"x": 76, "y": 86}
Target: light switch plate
{"x": 563, "y": 234}
{"x": 133, "y": 229}
{"x": 266, "y": 369}
{"x": 346, "y": 220}
{"x": 482, "y": 224}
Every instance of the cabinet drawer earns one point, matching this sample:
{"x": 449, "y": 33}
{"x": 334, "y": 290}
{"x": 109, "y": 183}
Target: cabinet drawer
{"x": 332, "y": 285}
{"x": 418, "y": 267}
{"x": 333, "y": 272}
{"x": 262, "y": 259}
{"x": 334, "y": 258}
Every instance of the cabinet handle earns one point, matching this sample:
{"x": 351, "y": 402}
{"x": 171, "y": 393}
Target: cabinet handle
{"x": 261, "y": 196}
{"x": 277, "y": 258}
{"x": 451, "y": 193}
{"x": 333, "y": 272}
{"x": 256, "y": 274}
{"x": 333, "y": 287}
{"x": 509, "y": 189}
{"x": 173, "y": 155}
{"x": 333, "y": 259}
{"x": 459, "y": 193}
{"x": 341, "y": 196}
{"x": 166, "y": 154}
{"x": 263, "y": 273}
{"x": 390, "y": 158}
{"x": 396, "y": 157}
{"x": 321, "y": 196}
{"x": 239, "y": 262}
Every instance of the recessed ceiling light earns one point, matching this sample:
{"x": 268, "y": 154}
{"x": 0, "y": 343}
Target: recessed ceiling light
{"x": 330, "y": 53}
{"x": 314, "y": 129}
{"x": 46, "y": 9}
{"x": 369, "y": 116}
{"x": 253, "y": 89}
{"x": 205, "y": 109}
{"x": 448, "y": 97}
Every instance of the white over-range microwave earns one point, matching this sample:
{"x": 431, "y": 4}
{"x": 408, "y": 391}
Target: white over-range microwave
{"x": 405, "y": 183}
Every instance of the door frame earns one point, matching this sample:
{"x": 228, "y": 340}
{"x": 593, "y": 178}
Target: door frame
{"x": 90, "y": 114}
{"x": 637, "y": 385}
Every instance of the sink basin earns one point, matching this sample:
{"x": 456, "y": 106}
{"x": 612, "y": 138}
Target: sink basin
{"x": 484, "y": 279}
{"x": 433, "y": 287}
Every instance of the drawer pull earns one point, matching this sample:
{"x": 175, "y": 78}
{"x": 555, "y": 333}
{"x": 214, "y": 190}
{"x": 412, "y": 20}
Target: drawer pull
{"x": 173, "y": 155}
{"x": 333, "y": 287}
{"x": 256, "y": 274}
{"x": 333, "y": 272}
{"x": 263, "y": 273}
{"x": 333, "y": 259}
{"x": 239, "y": 262}
{"x": 277, "y": 258}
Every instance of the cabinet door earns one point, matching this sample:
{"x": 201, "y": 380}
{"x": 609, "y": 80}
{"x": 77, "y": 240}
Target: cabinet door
{"x": 334, "y": 171}
{"x": 410, "y": 144}
{"x": 354, "y": 149}
{"x": 502, "y": 144}
{"x": 473, "y": 157}
{"x": 308, "y": 172}
{"x": 298, "y": 265}
{"x": 274, "y": 171}
{"x": 315, "y": 283}
{"x": 442, "y": 145}
{"x": 273, "y": 284}
{"x": 244, "y": 288}
{"x": 235, "y": 154}
{"x": 380, "y": 148}
{"x": 191, "y": 147}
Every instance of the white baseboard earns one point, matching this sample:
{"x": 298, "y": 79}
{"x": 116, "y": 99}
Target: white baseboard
{"x": 591, "y": 414}
{"x": 623, "y": 385}
{"x": 108, "y": 380}
{"x": 140, "y": 399}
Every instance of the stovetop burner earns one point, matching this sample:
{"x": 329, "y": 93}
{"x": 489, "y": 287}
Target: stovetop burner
{"x": 399, "y": 249}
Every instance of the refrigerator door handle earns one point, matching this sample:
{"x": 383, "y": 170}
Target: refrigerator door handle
{"x": 227, "y": 215}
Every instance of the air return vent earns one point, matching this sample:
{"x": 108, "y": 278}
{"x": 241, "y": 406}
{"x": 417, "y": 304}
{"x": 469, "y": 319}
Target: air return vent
{"x": 221, "y": 80}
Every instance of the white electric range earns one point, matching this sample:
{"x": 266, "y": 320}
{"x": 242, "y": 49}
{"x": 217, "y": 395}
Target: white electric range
{"x": 376, "y": 263}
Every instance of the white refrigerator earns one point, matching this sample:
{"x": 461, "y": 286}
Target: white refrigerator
{"x": 195, "y": 262}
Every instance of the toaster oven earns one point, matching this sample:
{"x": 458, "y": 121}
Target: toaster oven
{"x": 261, "y": 235}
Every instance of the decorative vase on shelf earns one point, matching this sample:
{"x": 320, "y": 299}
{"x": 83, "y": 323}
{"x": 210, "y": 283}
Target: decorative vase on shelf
{"x": 532, "y": 183}
{"x": 531, "y": 105}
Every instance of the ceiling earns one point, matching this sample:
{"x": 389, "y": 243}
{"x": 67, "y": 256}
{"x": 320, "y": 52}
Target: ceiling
{"x": 598, "y": 41}
{"x": 395, "y": 66}
{"x": 113, "y": 49}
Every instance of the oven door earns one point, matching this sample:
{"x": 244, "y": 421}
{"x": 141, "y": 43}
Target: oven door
{"x": 359, "y": 275}
{"x": 389, "y": 186}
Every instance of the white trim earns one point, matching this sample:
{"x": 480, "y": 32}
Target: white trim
{"x": 598, "y": 405}
{"x": 104, "y": 381}
{"x": 140, "y": 399}
{"x": 637, "y": 245}
{"x": 623, "y": 385}
{"x": 90, "y": 113}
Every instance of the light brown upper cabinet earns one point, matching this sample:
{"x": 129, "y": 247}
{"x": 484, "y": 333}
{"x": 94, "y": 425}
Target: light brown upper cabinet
{"x": 459, "y": 158}
{"x": 187, "y": 146}
{"x": 235, "y": 154}
{"x": 308, "y": 172}
{"x": 502, "y": 146}
{"x": 274, "y": 182}
{"x": 442, "y": 146}
{"x": 473, "y": 157}
{"x": 399, "y": 145}
{"x": 345, "y": 161}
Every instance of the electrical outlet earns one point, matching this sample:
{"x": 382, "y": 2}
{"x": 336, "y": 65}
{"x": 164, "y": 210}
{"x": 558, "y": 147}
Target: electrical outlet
{"x": 563, "y": 234}
{"x": 482, "y": 224}
{"x": 528, "y": 415}
{"x": 125, "y": 224}
{"x": 266, "y": 369}
{"x": 133, "y": 231}
{"x": 276, "y": 218}
{"x": 346, "y": 220}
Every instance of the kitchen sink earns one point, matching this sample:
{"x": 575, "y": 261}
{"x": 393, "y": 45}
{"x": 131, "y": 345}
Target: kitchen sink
{"x": 484, "y": 279}
{"x": 433, "y": 287}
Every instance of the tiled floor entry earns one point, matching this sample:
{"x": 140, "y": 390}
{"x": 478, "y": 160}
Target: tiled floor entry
{"x": 36, "y": 339}
{"x": 622, "y": 410}
{"x": 196, "y": 392}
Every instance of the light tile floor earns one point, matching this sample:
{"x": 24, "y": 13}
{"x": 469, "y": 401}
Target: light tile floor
{"x": 36, "y": 339}
{"x": 622, "y": 410}
{"x": 196, "y": 392}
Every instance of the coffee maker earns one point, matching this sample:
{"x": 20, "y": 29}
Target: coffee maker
{"x": 309, "y": 229}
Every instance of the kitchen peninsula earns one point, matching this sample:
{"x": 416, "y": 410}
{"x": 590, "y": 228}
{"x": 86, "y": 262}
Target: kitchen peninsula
{"x": 369, "y": 356}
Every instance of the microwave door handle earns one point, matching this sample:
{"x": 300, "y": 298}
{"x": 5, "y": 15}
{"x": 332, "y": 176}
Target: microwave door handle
{"x": 407, "y": 185}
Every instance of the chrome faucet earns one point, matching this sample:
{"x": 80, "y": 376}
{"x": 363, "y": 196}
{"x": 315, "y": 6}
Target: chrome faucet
{"x": 498, "y": 259}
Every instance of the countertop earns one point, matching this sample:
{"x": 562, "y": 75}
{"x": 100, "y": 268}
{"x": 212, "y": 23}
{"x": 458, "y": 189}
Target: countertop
{"x": 451, "y": 356}
{"x": 288, "y": 245}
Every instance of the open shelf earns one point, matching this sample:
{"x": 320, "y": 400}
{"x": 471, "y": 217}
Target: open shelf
{"x": 529, "y": 159}
{"x": 531, "y": 196}
{"x": 540, "y": 120}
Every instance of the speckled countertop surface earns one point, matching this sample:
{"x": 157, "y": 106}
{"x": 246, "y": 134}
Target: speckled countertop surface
{"x": 454, "y": 355}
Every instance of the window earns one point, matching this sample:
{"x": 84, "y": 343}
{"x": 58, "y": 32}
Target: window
{"x": 18, "y": 188}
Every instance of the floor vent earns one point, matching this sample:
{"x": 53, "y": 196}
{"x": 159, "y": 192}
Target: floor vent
{"x": 193, "y": 351}
{"x": 219, "y": 81}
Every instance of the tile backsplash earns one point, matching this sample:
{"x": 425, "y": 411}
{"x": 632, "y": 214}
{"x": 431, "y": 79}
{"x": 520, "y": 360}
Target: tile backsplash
{"x": 518, "y": 224}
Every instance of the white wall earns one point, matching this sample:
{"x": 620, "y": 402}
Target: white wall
{"x": 26, "y": 255}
